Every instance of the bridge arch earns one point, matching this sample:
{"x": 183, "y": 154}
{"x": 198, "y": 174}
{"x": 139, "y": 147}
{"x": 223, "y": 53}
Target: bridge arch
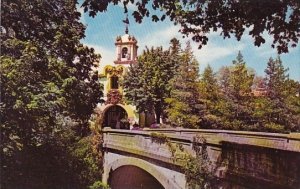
{"x": 132, "y": 177}
{"x": 162, "y": 178}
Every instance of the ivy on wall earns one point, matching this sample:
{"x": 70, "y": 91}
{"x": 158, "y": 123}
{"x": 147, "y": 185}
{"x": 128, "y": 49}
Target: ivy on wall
{"x": 198, "y": 168}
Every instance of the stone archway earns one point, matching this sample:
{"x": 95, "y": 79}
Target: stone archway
{"x": 114, "y": 117}
{"x": 132, "y": 177}
{"x": 162, "y": 178}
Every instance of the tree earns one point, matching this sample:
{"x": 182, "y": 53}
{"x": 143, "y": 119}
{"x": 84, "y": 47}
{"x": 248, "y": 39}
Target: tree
{"x": 282, "y": 96}
{"x": 210, "y": 97}
{"x": 275, "y": 79}
{"x": 48, "y": 93}
{"x": 293, "y": 104}
{"x": 234, "y": 105}
{"x": 183, "y": 105}
{"x": 241, "y": 79}
{"x": 224, "y": 80}
{"x": 233, "y": 18}
{"x": 146, "y": 85}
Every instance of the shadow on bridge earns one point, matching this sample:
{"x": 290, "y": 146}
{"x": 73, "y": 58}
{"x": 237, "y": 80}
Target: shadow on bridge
{"x": 132, "y": 177}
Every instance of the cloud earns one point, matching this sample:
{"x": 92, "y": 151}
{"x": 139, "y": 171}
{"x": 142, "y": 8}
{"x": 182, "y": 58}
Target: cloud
{"x": 107, "y": 55}
{"x": 207, "y": 54}
{"x": 212, "y": 52}
{"x": 160, "y": 37}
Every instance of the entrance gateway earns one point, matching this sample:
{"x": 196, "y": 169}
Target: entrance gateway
{"x": 116, "y": 117}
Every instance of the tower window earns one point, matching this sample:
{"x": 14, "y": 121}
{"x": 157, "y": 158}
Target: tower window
{"x": 124, "y": 52}
{"x": 114, "y": 82}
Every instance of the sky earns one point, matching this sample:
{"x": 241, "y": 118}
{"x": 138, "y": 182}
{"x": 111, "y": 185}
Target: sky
{"x": 103, "y": 29}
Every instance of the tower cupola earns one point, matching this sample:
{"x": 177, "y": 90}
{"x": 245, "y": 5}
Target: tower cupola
{"x": 126, "y": 47}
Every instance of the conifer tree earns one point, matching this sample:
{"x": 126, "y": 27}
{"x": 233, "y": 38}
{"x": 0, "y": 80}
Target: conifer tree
{"x": 224, "y": 80}
{"x": 183, "y": 106}
{"x": 282, "y": 96}
{"x": 241, "y": 79}
{"x": 210, "y": 98}
{"x": 275, "y": 79}
{"x": 236, "y": 105}
{"x": 175, "y": 47}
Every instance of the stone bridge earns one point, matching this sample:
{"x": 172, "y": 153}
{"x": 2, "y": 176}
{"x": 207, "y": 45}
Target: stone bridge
{"x": 254, "y": 160}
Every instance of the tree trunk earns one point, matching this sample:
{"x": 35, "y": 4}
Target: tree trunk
{"x": 157, "y": 117}
{"x": 157, "y": 114}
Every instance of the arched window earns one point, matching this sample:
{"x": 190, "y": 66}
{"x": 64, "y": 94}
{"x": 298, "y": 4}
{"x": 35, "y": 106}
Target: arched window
{"x": 114, "y": 82}
{"x": 124, "y": 52}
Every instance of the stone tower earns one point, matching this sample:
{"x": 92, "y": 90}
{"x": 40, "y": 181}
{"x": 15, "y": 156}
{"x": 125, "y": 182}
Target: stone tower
{"x": 116, "y": 112}
{"x": 126, "y": 49}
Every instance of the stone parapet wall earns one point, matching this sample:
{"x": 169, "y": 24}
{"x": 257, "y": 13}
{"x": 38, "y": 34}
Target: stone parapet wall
{"x": 286, "y": 142}
{"x": 253, "y": 159}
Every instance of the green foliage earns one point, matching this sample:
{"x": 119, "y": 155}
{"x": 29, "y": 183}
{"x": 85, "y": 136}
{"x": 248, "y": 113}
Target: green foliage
{"x": 230, "y": 18}
{"x": 283, "y": 97}
{"x": 241, "y": 79}
{"x": 146, "y": 84}
{"x": 210, "y": 98}
{"x": 159, "y": 138}
{"x": 48, "y": 93}
{"x": 275, "y": 80}
{"x": 233, "y": 106}
{"x": 198, "y": 168}
{"x": 273, "y": 127}
{"x": 86, "y": 162}
{"x": 226, "y": 101}
{"x": 183, "y": 104}
{"x": 99, "y": 185}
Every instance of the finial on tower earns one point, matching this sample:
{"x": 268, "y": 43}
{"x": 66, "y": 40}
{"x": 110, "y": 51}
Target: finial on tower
{"x": 126, "y": 21}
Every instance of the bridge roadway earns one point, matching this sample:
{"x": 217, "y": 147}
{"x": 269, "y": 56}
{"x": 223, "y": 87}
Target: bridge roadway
{"x": 254, "y": 159}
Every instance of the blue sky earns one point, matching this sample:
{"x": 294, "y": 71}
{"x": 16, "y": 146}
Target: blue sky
{"x": 102, "y": 31}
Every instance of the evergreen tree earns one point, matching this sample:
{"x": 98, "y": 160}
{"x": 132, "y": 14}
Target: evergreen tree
{"x": 210, "y": 98}
{"x": 282, "y": 93}
{"x": 224, "y": 80}
{"x": 146, "y": 85}
{"x": 292, "y": 102}
{"x": 275, "y": 79}
{"x": 183, "y": 106}
{"x": 225, "y": 106}
{"x": 175, "y": 47}
{"x": 235, "y": 102}
{"x": 240, "y": 79}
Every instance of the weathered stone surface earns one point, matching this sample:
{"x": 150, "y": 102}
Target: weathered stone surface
{"x": 253, "y": 159}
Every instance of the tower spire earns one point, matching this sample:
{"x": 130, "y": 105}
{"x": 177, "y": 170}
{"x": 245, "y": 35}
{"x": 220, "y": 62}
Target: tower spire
{"x": 126, "y": 21}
